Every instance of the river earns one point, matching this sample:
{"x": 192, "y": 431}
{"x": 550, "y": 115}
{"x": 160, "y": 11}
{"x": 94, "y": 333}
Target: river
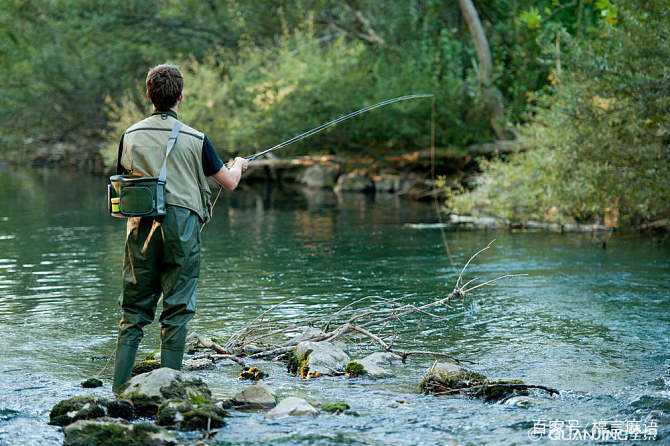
{"x": 589, "y": 321}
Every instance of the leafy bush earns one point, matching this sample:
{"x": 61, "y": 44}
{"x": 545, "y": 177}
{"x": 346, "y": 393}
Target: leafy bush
{"x": 598, "y": 148}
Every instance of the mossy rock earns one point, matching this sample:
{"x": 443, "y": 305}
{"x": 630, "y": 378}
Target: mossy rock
{"x": 144, "y": 366}
{"x": 145, "y": 406}
{"x": 184, "y": 415}
{"x": 91, "y": 383}
{"x": 113, "y": 432}
{"x": 75, "y": 409}
{"x": 354, "y": 369}
{"x": 444, "y": 377}
{"x": 252, "y": 373}
{"x": 336, "y": 407}
{"x": 121, "y": 409}
{"x": 298, "y": 364}
{"x": 148, "y": 391}
{"x": 493, "y": 391}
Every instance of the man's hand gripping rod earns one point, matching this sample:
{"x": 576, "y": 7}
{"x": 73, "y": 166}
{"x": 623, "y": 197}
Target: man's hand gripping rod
{"x": 336, "y": 121}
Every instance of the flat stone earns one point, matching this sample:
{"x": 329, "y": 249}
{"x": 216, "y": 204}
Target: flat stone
{"x": 375, "y": 364}
{"x": 292, "y": 407}
{"x": 256, "y": 396}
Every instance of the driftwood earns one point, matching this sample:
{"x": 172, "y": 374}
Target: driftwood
{"x": 483, "y": 387}
{"x": 371, "y": 320}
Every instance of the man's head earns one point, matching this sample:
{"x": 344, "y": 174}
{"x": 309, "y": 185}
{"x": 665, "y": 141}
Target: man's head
{"x": 164, "y": 86}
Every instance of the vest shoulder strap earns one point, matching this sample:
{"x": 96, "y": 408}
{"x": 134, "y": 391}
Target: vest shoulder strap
{"x": 172, "y": 140}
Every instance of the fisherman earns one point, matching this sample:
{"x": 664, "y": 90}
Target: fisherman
{"x": 162, "y": 255}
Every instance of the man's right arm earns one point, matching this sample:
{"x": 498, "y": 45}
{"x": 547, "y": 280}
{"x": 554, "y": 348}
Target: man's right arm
{"x": 229, "y": 177}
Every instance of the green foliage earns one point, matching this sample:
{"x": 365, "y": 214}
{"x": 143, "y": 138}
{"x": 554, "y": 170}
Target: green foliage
{"x": 258, "y": 72}
{"x": 354, "y": 369}
{"x": 598, "y": 147}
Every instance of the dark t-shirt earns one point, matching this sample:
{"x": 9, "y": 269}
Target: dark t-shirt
{"x": 211, "y": 161}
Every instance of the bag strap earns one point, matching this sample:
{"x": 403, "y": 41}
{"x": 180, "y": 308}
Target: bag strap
{"x": 172, "y": 140}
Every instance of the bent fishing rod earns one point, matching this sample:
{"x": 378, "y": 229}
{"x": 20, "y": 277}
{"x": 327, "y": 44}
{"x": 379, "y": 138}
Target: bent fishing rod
{"x": 336, "y": 121}
{"x": 323, "y": 127}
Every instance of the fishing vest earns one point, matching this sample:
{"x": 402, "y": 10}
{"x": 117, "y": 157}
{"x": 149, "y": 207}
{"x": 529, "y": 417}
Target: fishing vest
{"x": 143, "y": 154}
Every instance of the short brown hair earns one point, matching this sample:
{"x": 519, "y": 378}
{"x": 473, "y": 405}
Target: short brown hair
{"x": 164, "y": 86}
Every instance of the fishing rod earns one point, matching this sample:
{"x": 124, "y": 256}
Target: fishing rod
{"x": 336, "y": 121}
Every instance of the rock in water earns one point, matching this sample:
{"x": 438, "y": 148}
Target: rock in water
{"x": 336, "y": 407}
{"x": 255, "y": 397}
{"x": 320, "y": 176}
{"x": 374, "y": 364}
{"x": 355, "y": 182}
{"x": 198, "y": 364}
{"x": 446, "y": 376}
{"x": 77, "y": 408}
{"x": 114, "y": 432}
{"x": 87, "y": 408}
{"x": 144, "y": 366}
{"x": 292, "y": 406}
{"x": 187, "y": 416}
{"x": 149, "y": 390}
{"x": 91, "y": 383}
{"x": 312, "y": 359}
{"x": 451, "y": 379}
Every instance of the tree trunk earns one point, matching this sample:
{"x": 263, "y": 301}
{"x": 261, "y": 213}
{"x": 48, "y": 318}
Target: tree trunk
{"x": 492, "y": 96}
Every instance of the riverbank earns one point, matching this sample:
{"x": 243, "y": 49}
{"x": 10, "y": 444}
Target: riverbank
{"x": 407, "y": 175}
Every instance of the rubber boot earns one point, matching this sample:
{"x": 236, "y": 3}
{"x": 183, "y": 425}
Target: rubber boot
{"x": 123, "y": 365}
{"x": 173, "y": 340}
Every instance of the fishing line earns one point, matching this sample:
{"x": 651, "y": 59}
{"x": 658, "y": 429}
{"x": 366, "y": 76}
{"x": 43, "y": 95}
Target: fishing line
{"x": 433, "y": 113}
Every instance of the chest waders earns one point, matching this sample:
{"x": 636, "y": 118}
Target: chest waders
{"x": 161, "y": 259}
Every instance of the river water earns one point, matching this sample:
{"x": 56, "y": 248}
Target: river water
{"x": 589, "y": 321}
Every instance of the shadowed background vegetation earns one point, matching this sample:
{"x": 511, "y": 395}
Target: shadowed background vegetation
{"x": 582, "y": 86}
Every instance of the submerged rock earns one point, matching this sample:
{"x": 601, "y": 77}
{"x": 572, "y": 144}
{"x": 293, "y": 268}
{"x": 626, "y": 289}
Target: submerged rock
{"x": 187, "y": 416}
{"x": 518, "y": 401}
{"x": 87, "y": 408}
{"x": 451, "y": 379}
{"x": 313, "y": 359}
{"x": 447, "y": 376}
{"x": 257, "y": 396}
{"x": 374, "y": 364}
{"x": 91, "y": 383}
{"x": 336, "y": 407}
{"x": 355, "y": 182}
{"x": 149, "y": 390}
{"x": 292, "y": 406}
{"x": 115, "y": 432}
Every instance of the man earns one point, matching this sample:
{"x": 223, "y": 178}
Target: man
{"x": 162, "y": 256}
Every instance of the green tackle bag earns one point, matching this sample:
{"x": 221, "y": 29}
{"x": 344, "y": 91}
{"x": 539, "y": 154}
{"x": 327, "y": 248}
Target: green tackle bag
{"x": 133, "y": 196}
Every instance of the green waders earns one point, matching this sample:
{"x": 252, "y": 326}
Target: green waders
{"x": 166, "y": 262}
